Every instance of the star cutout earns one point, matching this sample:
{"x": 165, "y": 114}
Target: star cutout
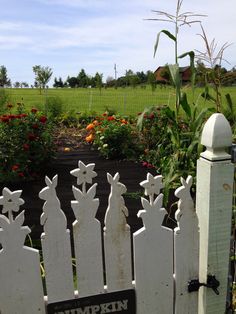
{"x": 152, "y": 185}
{"x": 84, "y": 174}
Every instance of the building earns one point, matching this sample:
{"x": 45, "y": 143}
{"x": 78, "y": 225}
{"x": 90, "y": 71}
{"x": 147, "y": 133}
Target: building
{"x": 162, "y": 74}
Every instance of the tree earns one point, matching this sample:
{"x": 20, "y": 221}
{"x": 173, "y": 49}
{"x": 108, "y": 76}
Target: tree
{"x": 58, "y": 83}
{"x": 17, "y": 84}
{"x": 72, "y": 82}
{"x": 98, "y": 81}
{"x": 4, "y": 80}
{"x": 82, "y": 79}
{"x": 110, "y": 81}
{"x": 151, "y": 79}
{"x": 42, "y": 75}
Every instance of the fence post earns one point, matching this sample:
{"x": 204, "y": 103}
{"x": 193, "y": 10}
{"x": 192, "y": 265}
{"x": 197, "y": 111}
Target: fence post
{"x": 214, "y": 209}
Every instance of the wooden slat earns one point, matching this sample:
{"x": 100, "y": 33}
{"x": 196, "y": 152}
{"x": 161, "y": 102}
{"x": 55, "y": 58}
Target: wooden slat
{"x": 21, "y": 290}
{"x": 87, "y": 243}
{"x": 153, "y": 255}
{"x": 186, "y": 249}
{"x": 56, "y": 246}
{"x": 117, "y": 241}
{"x": 87, "y": 233}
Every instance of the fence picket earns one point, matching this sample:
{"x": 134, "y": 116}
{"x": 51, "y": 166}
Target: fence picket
{"x": 21, "y": 288}
{"x": 56, "y": 246}
{"x": 87, "y": 234}
{"x": 153, "y": 255}
{"x": 186, "y": 250}
{"x": 117, "y": 240}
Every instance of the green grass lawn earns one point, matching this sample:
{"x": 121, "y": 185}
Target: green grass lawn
{"x": 123, "y": 100}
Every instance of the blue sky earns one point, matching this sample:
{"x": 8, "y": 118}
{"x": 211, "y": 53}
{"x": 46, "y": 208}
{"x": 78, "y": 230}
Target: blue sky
{"x": 68, "y": 35}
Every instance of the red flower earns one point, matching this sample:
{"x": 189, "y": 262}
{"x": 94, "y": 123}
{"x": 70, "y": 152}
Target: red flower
{"x": 43, "y": 119}
{"x": 12, "y": 116}
{"x": 151, "y": 116}
{"x": 104, "y": 114}
{"x": 31, "y": 137}
{"x": 21, "y": 174}
{"x": 34, "y": 110}
{"x": 23, "y": 115}
{"x": 35, "y": 126}
{"x": 5, "y": 119}
{"x": 110, "y": 118}
{"x": 145, "y": 164}
{"x": 15, "y": 167}
{"x": 26, "y": 146}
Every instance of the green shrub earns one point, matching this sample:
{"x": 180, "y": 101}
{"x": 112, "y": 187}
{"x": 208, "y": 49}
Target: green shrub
{"x": 4, "y": 98}
{"x": 53, "y": 107}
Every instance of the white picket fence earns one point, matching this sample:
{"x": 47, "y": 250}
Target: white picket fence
{"x": 164, "y": 260}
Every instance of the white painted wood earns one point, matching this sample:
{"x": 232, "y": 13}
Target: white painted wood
{"x": 21, "y": 290}
{"x": 153, "y": 255}
{"x": 56, "y": 245}
{"x": 117, "y": 241}
{"x": 214, "y": 208}
{"x": 186, "y": 249}
{"x": 87, "y": 242}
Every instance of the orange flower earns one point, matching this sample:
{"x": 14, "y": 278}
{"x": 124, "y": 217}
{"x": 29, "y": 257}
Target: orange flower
{"x": 95, "y": 123}
{"x": 123, "y": 121}
{"x": 90, "y": 127}
{"x": 89, "y": 138}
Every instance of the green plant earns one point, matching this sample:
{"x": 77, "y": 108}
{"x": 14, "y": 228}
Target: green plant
{"x": 26, "y": 144}
{"x": 172, "y": 145}
{"x": 53, "y": 107}
{"x": 213, "y": 73}
{"x": 4, "y": 98}
{"x": 114, "y": 137}
{"x": 179, "y": 19}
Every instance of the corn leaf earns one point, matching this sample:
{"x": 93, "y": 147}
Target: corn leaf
{"x": 174, "y": 72}
{"x": 167, "y": 33}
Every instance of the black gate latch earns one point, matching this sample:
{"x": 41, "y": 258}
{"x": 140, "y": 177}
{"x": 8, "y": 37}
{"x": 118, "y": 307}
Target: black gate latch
{"x": 212, "y": 282}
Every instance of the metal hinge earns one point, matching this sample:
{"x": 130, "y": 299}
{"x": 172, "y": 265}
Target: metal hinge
{"x": 233, "y": 153}
{"x": 212, "y": 282}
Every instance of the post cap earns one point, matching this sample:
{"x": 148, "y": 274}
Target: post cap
{"x": 217, "y": 137}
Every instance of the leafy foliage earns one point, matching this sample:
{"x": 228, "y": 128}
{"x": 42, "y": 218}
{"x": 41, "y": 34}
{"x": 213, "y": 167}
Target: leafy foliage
{"x": 26, "y": 144}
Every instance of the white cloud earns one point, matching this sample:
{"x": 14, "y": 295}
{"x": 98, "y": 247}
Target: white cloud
{"x": 95, "y": 34}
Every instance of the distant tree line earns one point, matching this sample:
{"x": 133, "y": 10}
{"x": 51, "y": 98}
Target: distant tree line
{"x": 130, "y": 79}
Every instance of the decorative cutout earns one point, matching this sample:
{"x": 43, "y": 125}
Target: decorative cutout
{"x": 11, "y": 202}
{"x": 117, "y": 212}
{"x": 84, "y": 199}
{"x": 185, "y": 203}
{"x": 12, "y": 232}
{"x": 52, "y": 212}
{"x": 153, "y": 207}
{"x": 84, "y": 174}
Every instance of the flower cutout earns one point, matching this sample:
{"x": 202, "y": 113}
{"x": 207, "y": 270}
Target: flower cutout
{"x": 11, "y": 201}
{"x": 84, "y": 174}
{"x": 152, "y": 185}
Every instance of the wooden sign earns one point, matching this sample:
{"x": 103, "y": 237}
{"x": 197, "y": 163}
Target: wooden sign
{"x": 116, "y": 302}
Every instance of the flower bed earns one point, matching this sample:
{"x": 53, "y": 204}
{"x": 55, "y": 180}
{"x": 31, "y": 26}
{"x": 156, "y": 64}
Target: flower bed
{"x": 26, "y": 143}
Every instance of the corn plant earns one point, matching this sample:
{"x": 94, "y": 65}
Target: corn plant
{"x": 179, "y": 19}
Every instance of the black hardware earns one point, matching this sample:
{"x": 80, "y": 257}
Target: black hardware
{"x": 212, "y": 282}
{"x": 232, "y": 151}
